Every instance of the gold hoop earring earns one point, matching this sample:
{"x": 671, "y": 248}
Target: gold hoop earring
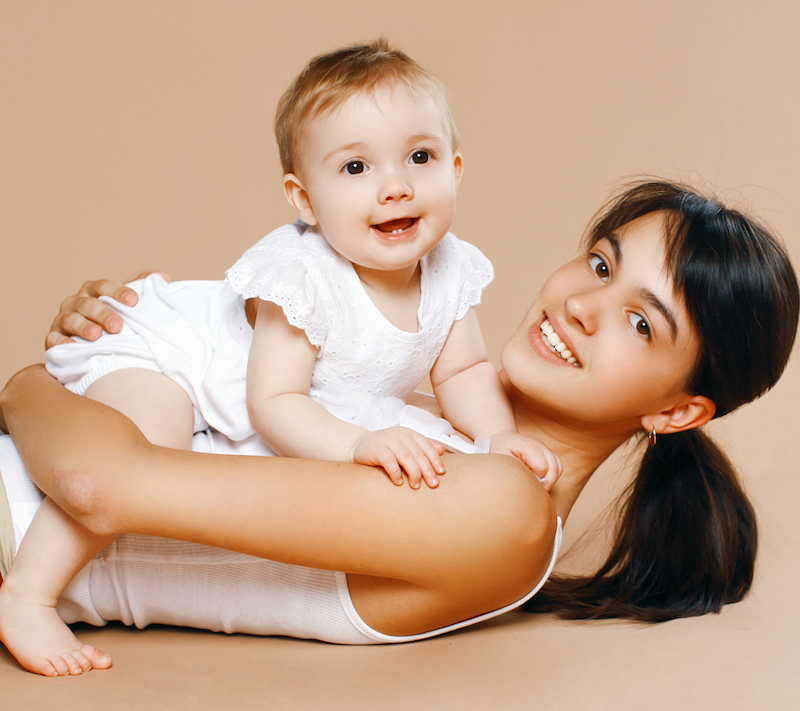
{"x": 651, "y": 437}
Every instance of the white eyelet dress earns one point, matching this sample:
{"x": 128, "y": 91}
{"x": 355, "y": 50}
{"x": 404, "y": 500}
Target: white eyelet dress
{"x": 196, "y": 332}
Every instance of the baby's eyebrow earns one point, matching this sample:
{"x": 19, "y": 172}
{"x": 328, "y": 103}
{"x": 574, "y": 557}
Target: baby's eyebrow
{"x": 347, "y": 148}
{"x": 425, "y": 137}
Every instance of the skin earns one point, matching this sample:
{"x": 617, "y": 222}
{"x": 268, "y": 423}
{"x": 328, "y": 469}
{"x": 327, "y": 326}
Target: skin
{"x": 478, "y": 542}
{"x": 377, "y": 158}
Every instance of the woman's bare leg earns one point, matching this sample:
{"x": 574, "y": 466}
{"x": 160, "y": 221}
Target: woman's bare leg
{"x": 56, "y": 547}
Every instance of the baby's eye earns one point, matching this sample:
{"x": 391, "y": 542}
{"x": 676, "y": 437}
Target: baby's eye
{"x": 641, "y": 326}
{"x": 599, "y": 267}
{"x": 420, "y": 157}
{"x": 355, "y": 167}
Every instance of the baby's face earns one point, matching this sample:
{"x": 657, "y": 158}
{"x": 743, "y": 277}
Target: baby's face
{"x": 378, "y": 176}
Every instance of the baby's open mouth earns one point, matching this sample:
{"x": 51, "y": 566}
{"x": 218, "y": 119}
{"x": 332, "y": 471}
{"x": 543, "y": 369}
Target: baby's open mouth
{"x": 396, "y": 227}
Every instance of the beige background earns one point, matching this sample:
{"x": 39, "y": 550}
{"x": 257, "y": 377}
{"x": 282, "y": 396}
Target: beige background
{"x": 138, "y": 135}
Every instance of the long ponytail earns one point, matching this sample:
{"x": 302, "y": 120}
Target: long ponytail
{"x": 685, "y": 542}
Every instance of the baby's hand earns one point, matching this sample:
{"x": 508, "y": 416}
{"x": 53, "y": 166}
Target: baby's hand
{"x": 541, "y": 460}
{"x": 397, "y": 449}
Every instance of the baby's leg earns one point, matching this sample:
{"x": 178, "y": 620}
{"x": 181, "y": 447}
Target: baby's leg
{"x": 56, "y": 547}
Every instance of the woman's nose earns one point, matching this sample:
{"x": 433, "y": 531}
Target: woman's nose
{"x": 583, "y": 309}
{"x": 395, "y": 187}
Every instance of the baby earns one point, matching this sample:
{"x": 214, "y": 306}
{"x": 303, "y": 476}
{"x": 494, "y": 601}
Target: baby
{"x": 350, "y": 308}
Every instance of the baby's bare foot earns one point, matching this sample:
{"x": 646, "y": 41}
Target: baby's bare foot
{"x": 40, "y": 641}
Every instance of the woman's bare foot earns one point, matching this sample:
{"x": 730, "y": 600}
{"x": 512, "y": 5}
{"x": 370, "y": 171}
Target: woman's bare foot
{"x": 40, "y": 641}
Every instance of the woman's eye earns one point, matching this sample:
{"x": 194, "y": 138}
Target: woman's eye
{"x": 420, "y": 157}
{"x": 599, "y": 267}
{"x": 355, "y": 167}
{"x": 641, "y": 326}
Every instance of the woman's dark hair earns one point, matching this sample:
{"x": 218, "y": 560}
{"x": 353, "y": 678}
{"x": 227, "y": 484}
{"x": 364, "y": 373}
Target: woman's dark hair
{"x": 686, "y": 537}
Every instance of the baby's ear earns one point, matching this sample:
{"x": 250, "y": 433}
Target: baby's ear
{"x": 458, "y": 163}
{"x": 298, "y": 198}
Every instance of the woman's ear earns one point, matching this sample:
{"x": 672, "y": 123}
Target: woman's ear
{"x": 298, "y": 198}
{"x": 693, "y": 411}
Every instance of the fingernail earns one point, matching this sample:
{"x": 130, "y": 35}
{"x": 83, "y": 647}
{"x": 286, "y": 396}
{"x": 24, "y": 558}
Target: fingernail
{"x": 127, "y": 298}
{"x": 114, "y": 322}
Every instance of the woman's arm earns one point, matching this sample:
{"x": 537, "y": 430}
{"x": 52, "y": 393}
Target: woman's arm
{"x": 475, "y": 544}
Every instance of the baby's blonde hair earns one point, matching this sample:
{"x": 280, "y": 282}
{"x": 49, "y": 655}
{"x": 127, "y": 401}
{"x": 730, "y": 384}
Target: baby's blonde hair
{"x": 330, "y": 79}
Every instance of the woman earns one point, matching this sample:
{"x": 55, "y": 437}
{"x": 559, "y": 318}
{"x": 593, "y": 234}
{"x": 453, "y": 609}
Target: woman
{"x": 680, "y": 311}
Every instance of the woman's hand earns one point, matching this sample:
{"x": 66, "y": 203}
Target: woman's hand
{"x": 539, "y": 458}
{"x": 86, "y": 316}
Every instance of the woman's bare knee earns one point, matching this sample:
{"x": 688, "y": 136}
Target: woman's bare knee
{"x": 83, "y": 495}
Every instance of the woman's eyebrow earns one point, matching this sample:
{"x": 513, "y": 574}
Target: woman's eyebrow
{"x": 613, "y": 240}
{"x": 663, "y": 309}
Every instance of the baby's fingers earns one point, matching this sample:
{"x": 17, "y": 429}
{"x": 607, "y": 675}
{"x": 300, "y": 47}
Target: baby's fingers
{"x": 554, "y": 469}
{"x": 420, "y": 459}
{"x": 391, "y": 466}
{"x": 542, "y": 461}
{"x": 427, "y": 456}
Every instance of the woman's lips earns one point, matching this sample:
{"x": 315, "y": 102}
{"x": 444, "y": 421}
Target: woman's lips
{"x": 547, "y": 352}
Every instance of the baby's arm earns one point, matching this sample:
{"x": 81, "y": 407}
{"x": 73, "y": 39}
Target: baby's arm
{"x": 289, "y": 421}
{"x": 473, "y": 399}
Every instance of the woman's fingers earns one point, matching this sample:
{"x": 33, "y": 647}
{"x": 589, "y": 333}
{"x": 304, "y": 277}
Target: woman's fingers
{"x": 84, "y": 315}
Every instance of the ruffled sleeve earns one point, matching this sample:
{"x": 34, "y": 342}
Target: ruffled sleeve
{"x": 464, "y": 269}
{"x": 288, "y": 268}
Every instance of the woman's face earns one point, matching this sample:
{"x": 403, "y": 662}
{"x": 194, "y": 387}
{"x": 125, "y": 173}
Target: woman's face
{"x": 631, "y": 342}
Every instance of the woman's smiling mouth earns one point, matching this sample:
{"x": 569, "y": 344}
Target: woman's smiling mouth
{"x": 554, "y": 343}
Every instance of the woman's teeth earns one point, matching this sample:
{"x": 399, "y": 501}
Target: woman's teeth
{"x": 552, "y": 339}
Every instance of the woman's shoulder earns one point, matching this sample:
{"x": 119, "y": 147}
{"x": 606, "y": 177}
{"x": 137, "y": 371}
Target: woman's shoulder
{"x": 509, "y": 522}
{"x": 481, "y": 541}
